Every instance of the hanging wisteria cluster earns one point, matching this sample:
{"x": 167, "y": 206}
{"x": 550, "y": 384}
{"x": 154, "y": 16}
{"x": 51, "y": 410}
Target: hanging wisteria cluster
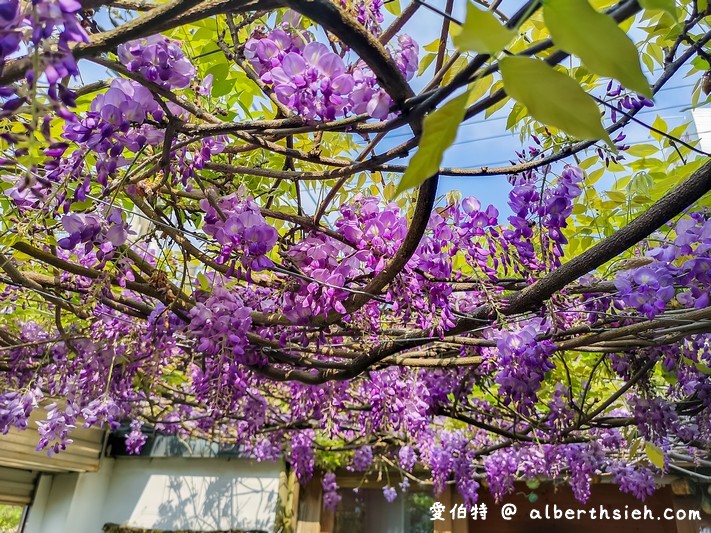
{"x": 455, "y": 345}
{"x": 33, "y": 24}
{"x": 314, "y": 81}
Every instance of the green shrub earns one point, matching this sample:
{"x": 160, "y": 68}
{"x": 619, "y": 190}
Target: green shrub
{"x": 10, "y": 517}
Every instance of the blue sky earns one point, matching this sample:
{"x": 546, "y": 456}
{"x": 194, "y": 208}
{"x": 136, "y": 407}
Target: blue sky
{"x": 486, "y": 142}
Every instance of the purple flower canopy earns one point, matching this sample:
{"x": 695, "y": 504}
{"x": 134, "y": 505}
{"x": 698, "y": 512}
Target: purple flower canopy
{"x": 371, "y": 335}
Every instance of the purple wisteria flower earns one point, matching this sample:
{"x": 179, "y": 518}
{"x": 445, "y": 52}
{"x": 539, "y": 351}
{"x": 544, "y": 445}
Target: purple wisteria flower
{"x": 116, "y": 123}
{"x": 522, "y": 362}
{"x": 362, "y": 458}
{"x": 407, "y": 457}
{"x": 688, "y": 260}
{"x": 647, "y": 289}
{"x": 316, "y": 82}
{"x": 220, "y": 324}
{"x": 244, "y": 231}
{"x": 637, "y": 480}
{"x": 389, "y": 493}
{"x": 367, "y": 12}
{"x": 550, "y": 208}
{"x": 331, "y": 498}
{"x": 136, "y": 439}
{"x": 10, "y": 36}
{"x": 302, "y": 455}
{"x": 94, "y": 231}
{"x": 53, "y": 23}
{"x": 159, "y": 59}
{"x": 16, "y": 407}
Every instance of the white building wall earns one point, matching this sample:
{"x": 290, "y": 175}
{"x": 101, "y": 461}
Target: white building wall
{"x": 50, "y": 513}
{"x": 702, "y": 124}
{"x": 162, "y": 493}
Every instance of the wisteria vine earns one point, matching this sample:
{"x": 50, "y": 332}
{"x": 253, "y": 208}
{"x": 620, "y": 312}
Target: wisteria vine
{"x": 184, "y": 294}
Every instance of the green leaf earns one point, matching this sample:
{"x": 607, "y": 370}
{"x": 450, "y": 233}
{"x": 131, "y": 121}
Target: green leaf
{"x": 655, "y": 454}
{"x": 579, "y": 209}
{"x": 438, "y": 133}
{"x": 425, "y": 63}
{"x": 642, "y": 150}
{"x": 596, "y": 39}
{"x": 517, "y": 114}
{"x": 634, "y": 449}
{"x": 481, "y": 32}
{"x": 479, "y": 88}
{"x": 700, "y": 63}
{"x": 204, "y": 282}
{"x": 663, "y": 5}
{"x": 552, "y": 97}
{"x": 498, "y": 84}
{"x": 661, "y": 125}
{"x": 175, "y": 378}
{"x": 699, "y": 366}
{"x": 432, "y": 47}
{"x": 595, "y": 176}
{"x": 458, "y": 65}
{"x": 648, "y": 62}
{"x": 393, "y": 6}
{"x": 617, "y": 196}
{"x": 533, "y": 484}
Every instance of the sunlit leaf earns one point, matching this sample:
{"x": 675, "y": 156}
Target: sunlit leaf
{"x": 587, "y": 163}
{"x": 498, "y": 85}
{"x": 478, "y": 89}
{"x": 648, "y": 62}
{"x": 393, "y": 6}
{"x": 655, "y": 454}
{"x": 596, "y": 39}
{"x": 481, "y": 32}
{"x": 664, "y": 5}
{"x": 634, "y": 448}
{"x": 700, "y": 63}
{"x": 552, "y": 97}
{"x": 205, "y": 285}
{"x": 616, "y": 196}
{"x": 432, "y": 47}
{"x": 439, "y": 130}
{"x": 595, "y": 175}
{"x": 425, "y": 63}
{"x": 456, "y": 67}
{"x": 579, "y": 209}
{"x": 699, "y": 366}
{"x": 642, "y": 150}
{"x": 517, "y": 114}
{"x": 661, "y": 125}
{"x": 533, "y": 484}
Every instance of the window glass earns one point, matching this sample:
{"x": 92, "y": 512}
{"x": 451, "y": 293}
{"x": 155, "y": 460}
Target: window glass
{"x": 10, "y": 518}
{"x": 366, "y": 511}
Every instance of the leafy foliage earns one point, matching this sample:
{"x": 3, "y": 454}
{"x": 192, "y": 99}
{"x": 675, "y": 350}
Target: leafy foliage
{"x": 603, "y": 47}
{"x": 482, "y": 32}
{"x": 438, "y": 133}
{"x": 552, "y": 97}
{"x": 10, "y": 517}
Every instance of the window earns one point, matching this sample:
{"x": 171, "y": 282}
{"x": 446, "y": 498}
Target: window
{"x": 366, "y": 511}
{"x": 11, "y": 518}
